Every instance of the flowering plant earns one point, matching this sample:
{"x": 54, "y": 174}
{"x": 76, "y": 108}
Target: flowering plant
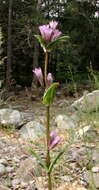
{"x": 49, "y": 37}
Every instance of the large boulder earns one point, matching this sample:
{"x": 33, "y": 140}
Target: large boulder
{"x": 88, "y": 102}
{"x": 66, "y": 122}
{"x": 32, "y": 130}
{"x": 11, "y": 117}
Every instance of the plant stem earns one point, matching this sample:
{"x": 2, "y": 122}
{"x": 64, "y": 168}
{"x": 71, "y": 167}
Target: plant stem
{"x": 48, "y": 141}
{"x": 47, "y": 126}
{"x": 46, "y": 67}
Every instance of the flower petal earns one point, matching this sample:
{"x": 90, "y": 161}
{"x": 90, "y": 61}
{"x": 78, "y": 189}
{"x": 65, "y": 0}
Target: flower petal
{"x": 49, "y": 79}
{"x": 54, "y": 142}
{"x": 39, "y": 75}
{"x": 49, "y": 31}
{"x": 53, "y": 24}
{"x": 56, "y": 35}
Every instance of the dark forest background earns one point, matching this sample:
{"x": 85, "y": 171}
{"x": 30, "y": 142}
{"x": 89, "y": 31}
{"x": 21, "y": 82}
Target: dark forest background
{"x": 20, "y": 51}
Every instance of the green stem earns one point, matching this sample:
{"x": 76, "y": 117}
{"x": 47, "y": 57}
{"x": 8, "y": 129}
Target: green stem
{"x": 47, "y": 127}
{"x": 48, "y": 141}
{"x": 46, "y": 67}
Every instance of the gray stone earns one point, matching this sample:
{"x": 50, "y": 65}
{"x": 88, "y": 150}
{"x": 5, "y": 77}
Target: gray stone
{"x": 15, "y": 182}
{"x": 10, "y": 117}
{"x": 78, "y": 155}
{"x": 32, "y": 130}
{"x": 88, "y": 102}
{"x": 95, "y": 169}
{"x": 92, "y": 178}
{"x": 66, "y": 178}
{"x": 2, "y": 169}
{"x": 3, "y": 161}
{"x": 28, "y": 168}
{"x": 89, "y": 133}
{"x": 9, "y": 169}
{"x": 16, "y": 159}
{"x": 95, "y": 156}
{"x": 63, "y": 102}
{"x": 65, "y": 122}
{"x": 2, "y": 187}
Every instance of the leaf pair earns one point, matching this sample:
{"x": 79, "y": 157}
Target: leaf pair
{"x": 48, "y": 47}
{"x": 43, "y": 164}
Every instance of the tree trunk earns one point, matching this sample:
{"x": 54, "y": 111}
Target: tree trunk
{"x": 36, "y": 49}
{"x": 36, "y": 54}
{"x": 9, "y": 47}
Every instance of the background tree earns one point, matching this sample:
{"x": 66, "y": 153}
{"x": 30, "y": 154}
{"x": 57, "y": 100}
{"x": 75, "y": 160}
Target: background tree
{"x": 78, "y": 19}
{"x": 9, "y": 47}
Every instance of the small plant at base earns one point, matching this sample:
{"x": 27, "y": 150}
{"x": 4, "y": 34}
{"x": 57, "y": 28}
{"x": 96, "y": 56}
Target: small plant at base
{"x": 49, "y": 37}
{"x": 93, "y": 77}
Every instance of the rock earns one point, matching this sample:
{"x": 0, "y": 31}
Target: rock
{"x": 2, "y": 169}
{"x": 16, "y": 159}
{"x": 89, "y": 133}
{"x": 65, "y": 122}
{"x": 24, "y": 185}
{"x": 41, "y": 182}
{"x": 81, "y": 132}
{"x": 28, "y": 168}
{"x": 32, "y": 130}
{"x": 95, "y": 169}
{"x": 10, "y": 117}
{"x": 34, "y": 186}
{"x": 15, "y": 182}
{"x": 95, "y": 156}
{"x": 63, "y": 102}
{"x": 28, "y": 116}
{"x": 9, "y": 169}
{"x": 70, "y": 186}
{"x": 96, "y": 179}
{"x": 88, "y": 102}
{"x": 91, "y": 177}
{"x": 78, "y": 155}
{"x": 66, "y": 178}
{"x": 3, "y": 161}
{"x": 3, "y": 188}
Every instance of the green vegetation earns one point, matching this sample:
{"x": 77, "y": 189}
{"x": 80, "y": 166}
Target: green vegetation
{"x": 77, "y": 20}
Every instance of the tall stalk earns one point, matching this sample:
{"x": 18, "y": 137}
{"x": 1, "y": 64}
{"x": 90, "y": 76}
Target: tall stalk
{"x": 50, "y": 35}
{"x": 46, "y": 68}
{"x": 47, "y": 126}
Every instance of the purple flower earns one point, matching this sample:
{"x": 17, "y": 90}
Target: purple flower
{"x": 46, "y": 32}
{"x": 49, "y": 79}
{"x": 49, "y": 31}
{"x": 56, "y": 35}
{"x": 39, "y": 75}
{"x": 54, "y": 140}
{"x": 53, "y": 24}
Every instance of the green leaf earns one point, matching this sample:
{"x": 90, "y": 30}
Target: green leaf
{"x": 55, "y": 160}
{"x": 41, "y": 41}
{"x": 49, "y": 94}
{"x": 41, "y": 162}
{"x": 50, "y": 46}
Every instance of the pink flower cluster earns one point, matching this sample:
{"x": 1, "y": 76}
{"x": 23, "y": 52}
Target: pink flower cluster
{"x": 50, "y": 32}
{"x": 39, "y": 76}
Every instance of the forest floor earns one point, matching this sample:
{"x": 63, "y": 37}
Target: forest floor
{"x": 14, "y": 151}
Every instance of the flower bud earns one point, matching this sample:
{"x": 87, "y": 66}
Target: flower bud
{"x": 39, "y": 75}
